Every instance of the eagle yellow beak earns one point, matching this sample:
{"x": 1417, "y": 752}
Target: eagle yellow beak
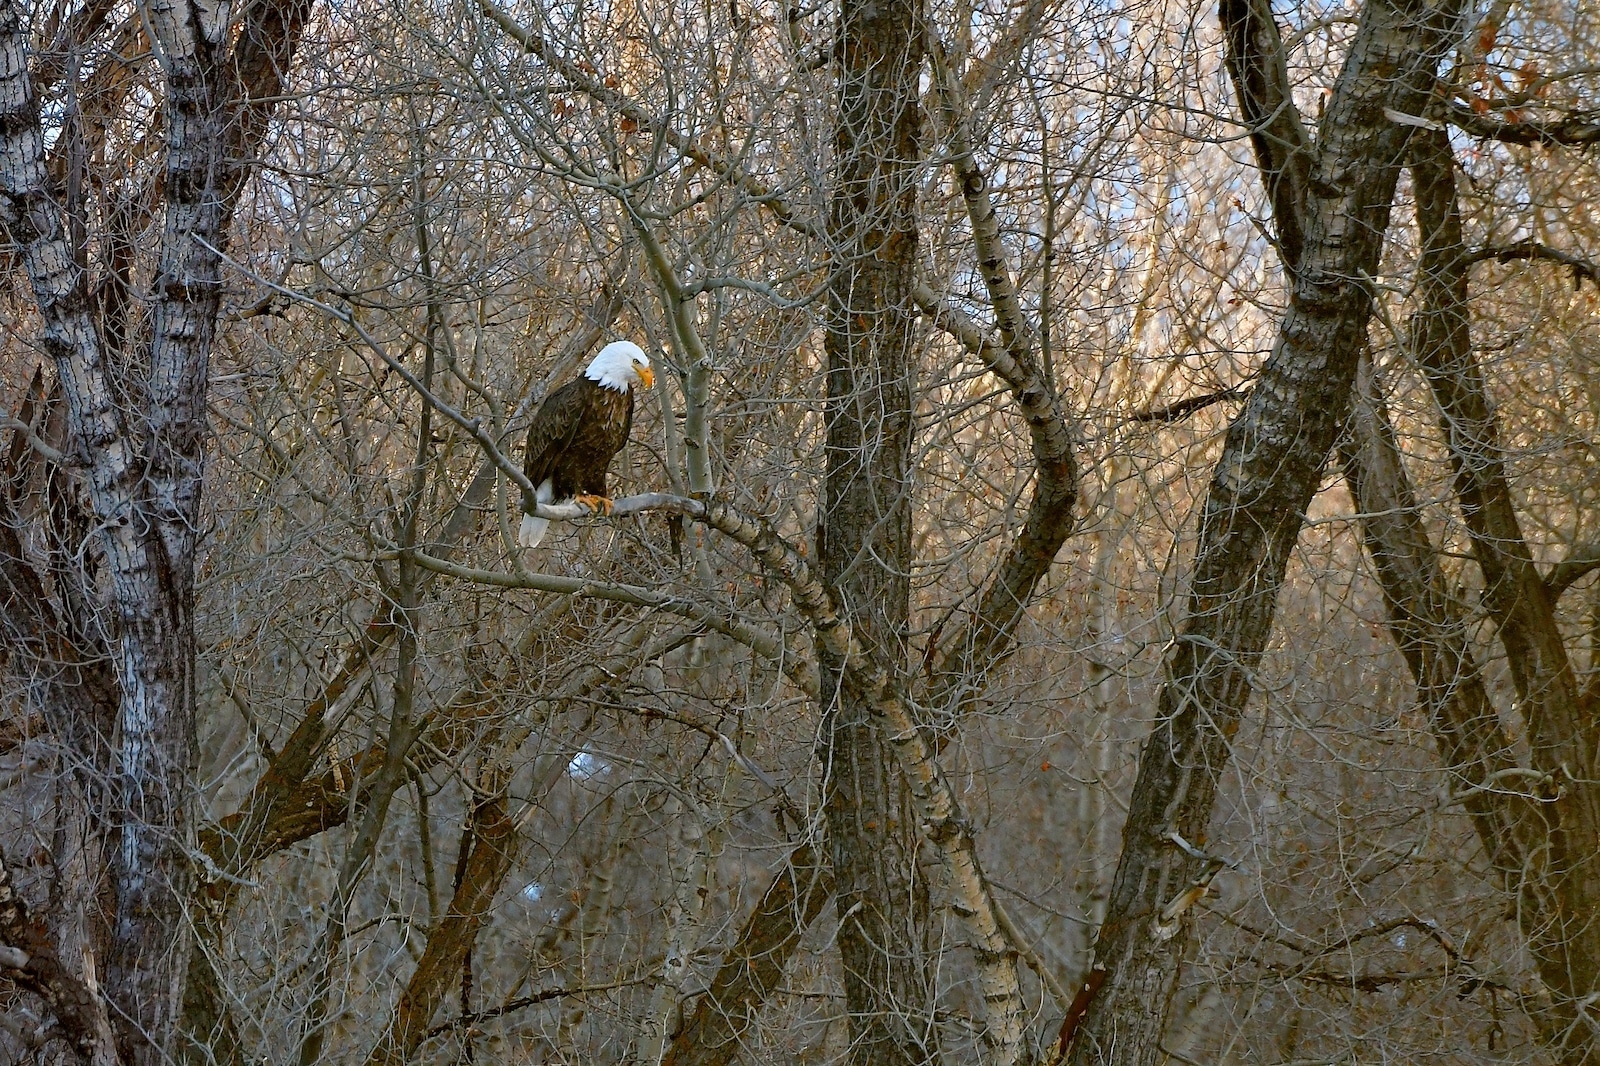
{"x": 647, "y": 376}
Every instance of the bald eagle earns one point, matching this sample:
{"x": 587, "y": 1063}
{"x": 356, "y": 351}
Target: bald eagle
{"x": 577, "y": 430}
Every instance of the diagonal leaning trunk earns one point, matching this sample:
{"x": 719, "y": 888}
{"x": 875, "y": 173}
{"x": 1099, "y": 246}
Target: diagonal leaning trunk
{"x": 1527, "y": 830}
{"x": 1271, "y": 465}
{"x": 1557, "y": 884}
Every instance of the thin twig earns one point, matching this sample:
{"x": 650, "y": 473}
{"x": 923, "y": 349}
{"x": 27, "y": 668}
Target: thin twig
{"x": 466, "y": 1020}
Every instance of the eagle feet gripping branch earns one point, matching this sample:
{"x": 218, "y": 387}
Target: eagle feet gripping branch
{"x": 577, "y": 431}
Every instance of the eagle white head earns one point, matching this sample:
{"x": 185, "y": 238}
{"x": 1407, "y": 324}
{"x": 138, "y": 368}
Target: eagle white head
{"x": 621, "y": 365}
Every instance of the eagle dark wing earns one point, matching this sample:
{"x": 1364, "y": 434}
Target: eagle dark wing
{"x": 554, "y": 425}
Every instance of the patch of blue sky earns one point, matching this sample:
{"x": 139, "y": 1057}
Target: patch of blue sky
{"x": 586, "y": 765}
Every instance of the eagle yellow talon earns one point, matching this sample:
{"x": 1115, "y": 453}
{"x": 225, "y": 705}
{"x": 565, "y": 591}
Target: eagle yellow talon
{"x": 599, "y": 504}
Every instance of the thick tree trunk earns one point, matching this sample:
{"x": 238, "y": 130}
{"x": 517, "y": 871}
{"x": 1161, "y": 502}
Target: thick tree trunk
{"x": 61, "y": 650}
{"x": 34, "y": 962}
{"x": 143, "y": 470}
{"x": 1271, "y": 465}
{"x": 149, "y": 557}
{"x": 864, "y": 539}
{"x": 150, "y": 874}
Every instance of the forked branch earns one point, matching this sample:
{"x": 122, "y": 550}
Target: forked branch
{"x": 988, "y": 638}
{"x": 1259, "y": 69}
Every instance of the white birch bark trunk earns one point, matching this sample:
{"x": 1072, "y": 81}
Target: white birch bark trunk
{"x": 143, "y": 471}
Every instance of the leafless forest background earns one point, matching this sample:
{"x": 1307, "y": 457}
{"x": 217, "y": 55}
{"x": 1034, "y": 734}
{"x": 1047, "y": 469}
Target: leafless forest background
{"x": 1065, "y": 739}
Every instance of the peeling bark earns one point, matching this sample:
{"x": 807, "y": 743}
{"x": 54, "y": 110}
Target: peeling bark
{"x": 143, "y": 470}
{"x": 33, "y": 961}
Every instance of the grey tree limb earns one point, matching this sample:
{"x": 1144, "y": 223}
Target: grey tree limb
{"x": 988, "y": 638}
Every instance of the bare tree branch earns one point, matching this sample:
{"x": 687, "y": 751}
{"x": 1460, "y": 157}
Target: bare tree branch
{"x": 467, "y": 1021}
{"x": 34, "y": 963}
{"x": 1258, "y": 67}
{"x": 1270, "y": 468}
{"x": 1573, "y": 131}
{"x": 1582, "y": 269}
{"x": 988, "y": 638}
{"x": 1181, "y": 409}
{"x": 1582, "y": 560}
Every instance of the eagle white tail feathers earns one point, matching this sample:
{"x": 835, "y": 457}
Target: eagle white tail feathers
{"x": 533, "y": 527}
{"x": 532, "y": 531}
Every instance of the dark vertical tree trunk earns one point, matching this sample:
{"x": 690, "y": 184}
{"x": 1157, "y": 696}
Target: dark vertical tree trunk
{"x": 864, "y": 540}
{"x": 1271, "y": 465}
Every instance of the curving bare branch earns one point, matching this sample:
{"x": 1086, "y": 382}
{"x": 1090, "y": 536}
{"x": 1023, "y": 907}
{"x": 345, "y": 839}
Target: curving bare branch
{"x": 1582, "y": 269}
{"x": 987, "y": 639}
{"x": 1258, "y": 66}
{"x": 1576, "y": 130}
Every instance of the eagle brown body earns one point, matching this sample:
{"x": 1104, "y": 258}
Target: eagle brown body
{"x": 577, "y": 431}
